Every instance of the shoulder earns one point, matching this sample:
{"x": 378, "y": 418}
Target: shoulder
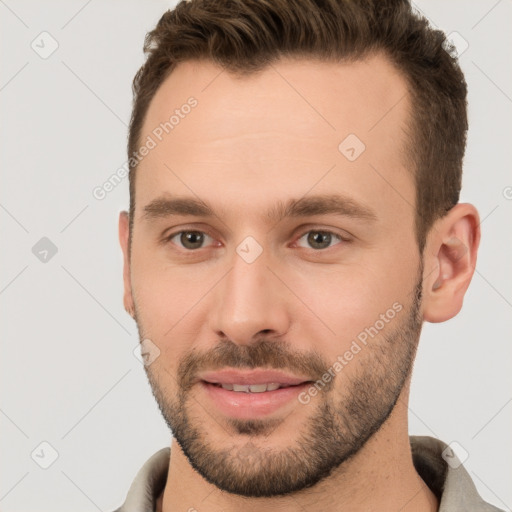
{"x": 440, "y": 468}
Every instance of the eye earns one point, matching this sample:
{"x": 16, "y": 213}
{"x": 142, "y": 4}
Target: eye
{"x": 189, "y": 240}
{"x": 321, "y": 239}
{"x": 193, "y": 240}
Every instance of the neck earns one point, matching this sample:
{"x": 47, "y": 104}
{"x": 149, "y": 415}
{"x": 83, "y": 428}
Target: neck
{"x": 381, "y": 476}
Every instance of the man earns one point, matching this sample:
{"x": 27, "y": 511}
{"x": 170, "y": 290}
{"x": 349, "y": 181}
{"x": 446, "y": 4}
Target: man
{"x": 294, "y": 218}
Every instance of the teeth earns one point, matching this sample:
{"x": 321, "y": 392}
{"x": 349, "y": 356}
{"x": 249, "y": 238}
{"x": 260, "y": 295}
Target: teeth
{"x": 252, "y": 388}
{"x": 258, "y": 388}
{"x": 241, "y": 387}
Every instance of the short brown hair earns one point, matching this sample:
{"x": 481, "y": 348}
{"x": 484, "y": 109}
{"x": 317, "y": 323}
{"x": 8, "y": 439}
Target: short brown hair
{"x": 245, "y": 36}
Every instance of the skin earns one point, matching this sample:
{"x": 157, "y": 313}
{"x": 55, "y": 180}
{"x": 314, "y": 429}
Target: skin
{"x": 249, "y": 144}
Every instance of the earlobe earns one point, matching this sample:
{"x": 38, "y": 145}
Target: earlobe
{"x": 124, "y": 232}
{"x": 450, "y": 261}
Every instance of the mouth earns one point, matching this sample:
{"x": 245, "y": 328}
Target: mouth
{"x": 252, "y": 394}
{"x": 253, "y": 380}
{"x": 254, "y": 388}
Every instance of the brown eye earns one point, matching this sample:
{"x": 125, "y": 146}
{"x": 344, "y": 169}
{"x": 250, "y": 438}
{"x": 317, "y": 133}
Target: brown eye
{"x": 189, "y": 240}
{"x": 320, "y": 239}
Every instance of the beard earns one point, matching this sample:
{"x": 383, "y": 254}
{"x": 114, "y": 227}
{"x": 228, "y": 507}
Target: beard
{"x": 346, "y": 413}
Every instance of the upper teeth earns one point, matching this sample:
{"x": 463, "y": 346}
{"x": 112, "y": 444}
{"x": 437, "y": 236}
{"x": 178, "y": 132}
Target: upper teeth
{"x": 253, "y": 388}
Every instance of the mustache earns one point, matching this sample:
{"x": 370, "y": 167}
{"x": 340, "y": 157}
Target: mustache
{"x": 275, "y": 355}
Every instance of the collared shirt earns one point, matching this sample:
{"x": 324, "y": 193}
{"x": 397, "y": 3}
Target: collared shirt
{"x": 435, "y": 462}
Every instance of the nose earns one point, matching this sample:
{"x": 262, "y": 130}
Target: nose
{"x": 250, "y": 302}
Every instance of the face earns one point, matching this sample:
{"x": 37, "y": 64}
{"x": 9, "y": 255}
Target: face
{"x": 273, "y": 243}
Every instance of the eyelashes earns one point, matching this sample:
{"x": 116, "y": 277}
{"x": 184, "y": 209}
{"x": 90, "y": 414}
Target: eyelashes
{"x": 200, "y": 237}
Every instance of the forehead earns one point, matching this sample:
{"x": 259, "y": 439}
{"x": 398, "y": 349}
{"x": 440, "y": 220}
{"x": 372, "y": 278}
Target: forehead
{"x": 296, "y": 126}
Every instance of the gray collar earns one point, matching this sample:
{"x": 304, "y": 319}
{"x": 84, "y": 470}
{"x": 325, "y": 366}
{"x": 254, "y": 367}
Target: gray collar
{"x": 451, "y": 483}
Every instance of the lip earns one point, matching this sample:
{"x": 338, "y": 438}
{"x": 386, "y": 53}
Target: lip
{"x": 232, "y": 376}
{"x": 242, "y": 405}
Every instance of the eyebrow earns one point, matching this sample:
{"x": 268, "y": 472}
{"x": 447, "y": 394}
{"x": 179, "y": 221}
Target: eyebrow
{"x": 334, "y": 204}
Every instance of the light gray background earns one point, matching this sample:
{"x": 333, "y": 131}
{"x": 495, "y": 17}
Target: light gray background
{"x": 68, "y": 373}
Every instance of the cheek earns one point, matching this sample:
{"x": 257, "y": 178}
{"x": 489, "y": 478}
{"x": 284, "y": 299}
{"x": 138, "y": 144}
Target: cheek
{"x": 350, "y": 300}
{"x": 163, "y": 294}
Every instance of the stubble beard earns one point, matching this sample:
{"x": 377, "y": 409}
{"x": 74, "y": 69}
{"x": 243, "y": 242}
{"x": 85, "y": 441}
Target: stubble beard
{"x": 339, "y": 427}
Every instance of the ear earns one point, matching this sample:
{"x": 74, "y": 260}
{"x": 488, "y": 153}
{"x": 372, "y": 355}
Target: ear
{"x": 124, "y": 232}
{"x": 450, "y": 259}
